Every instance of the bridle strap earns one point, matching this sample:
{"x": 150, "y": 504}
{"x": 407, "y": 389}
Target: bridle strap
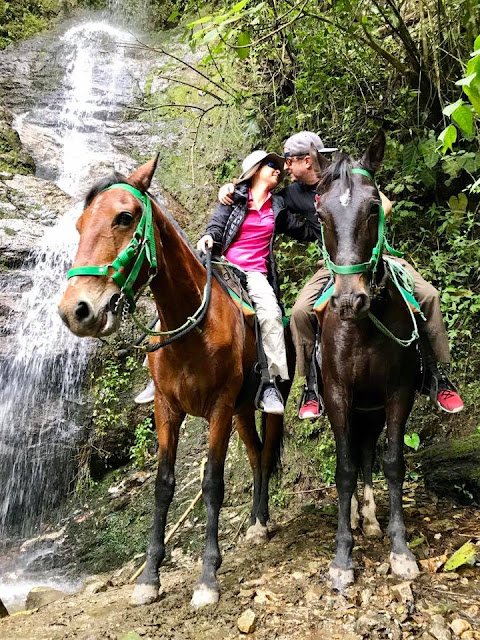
{"x": 382, "y": 244}
{"x": 140, "y": 248}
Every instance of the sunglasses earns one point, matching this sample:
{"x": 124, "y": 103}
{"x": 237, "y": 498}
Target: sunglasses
{"x": 270, "y": 164}
{"x": 290, "y": 159}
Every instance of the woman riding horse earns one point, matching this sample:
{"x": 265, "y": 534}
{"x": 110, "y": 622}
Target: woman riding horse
{"x": 200, "y": 373}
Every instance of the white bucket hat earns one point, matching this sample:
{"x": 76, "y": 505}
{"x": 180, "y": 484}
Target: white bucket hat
{"x": 253, "y": 161}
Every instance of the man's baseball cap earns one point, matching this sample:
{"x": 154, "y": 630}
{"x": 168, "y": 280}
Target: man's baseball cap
{"x": 299, "y": 144}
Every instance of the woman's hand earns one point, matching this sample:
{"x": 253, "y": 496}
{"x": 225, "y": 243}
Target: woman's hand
{"x": 205, "y": 242}
{"x": 225, "y": 193}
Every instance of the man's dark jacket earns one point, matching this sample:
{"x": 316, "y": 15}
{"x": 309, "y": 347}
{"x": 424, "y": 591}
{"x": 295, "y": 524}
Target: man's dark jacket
{"x": 227, "y": 220}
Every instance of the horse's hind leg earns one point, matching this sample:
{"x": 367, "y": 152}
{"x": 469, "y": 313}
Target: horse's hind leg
{"x": 402, "y": 560}
{"x": 373, "y": 428}
{"x": 168, "y": 426}
{"x": 207, "y": 590}
{"x": 272, "y": 437}
{"x": 245, "y": 425}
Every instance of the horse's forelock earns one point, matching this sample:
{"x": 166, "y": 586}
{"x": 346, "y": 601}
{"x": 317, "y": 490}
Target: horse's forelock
{"x": 339, "y": 169}
{"x": 102, "y": 184}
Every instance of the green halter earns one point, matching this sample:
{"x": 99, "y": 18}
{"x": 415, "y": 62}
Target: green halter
{"x": 382, "y": 244}
{"x": 140, "y": 248}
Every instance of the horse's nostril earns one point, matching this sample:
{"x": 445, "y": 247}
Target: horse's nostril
{"x": 334, "y": 301}
{"x": 362, "y": 303}
{"x": 82, "y": 311}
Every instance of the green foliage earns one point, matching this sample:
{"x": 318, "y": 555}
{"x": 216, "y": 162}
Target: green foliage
{"x": 465, "y": 116}
{"x": 412, "y": 440}
{"x": 24, "y": 18}
{"x": 110, "y": 385}
{"x": 144, "y": 440}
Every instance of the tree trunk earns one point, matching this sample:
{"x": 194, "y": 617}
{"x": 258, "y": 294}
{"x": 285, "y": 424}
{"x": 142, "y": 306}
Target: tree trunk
{"x": 452, "y": 468}
{"x": 3, "y": 610}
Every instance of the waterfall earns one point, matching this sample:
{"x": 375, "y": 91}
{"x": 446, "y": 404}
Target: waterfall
{"x": 41, "y": 421}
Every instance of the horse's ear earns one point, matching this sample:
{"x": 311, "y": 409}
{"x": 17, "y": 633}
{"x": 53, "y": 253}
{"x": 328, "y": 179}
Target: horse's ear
{"x": 142, "y": 177}
{"x": 319, "y": 162}
{"x": 373, "y": 156}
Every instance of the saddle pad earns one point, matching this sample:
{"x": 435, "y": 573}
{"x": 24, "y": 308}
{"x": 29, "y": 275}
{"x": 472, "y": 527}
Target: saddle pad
{"x": 231, "y": 279}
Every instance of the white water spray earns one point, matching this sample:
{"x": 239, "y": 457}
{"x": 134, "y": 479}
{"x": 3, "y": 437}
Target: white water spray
{"x": 41, "y": 420}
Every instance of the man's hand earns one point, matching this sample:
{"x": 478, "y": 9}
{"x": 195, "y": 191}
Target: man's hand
{"x": 205, "y": 242}
{"x": 225, "y": 193}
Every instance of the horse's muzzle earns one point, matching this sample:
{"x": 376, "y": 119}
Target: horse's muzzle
{"x": 84, "y": 320}
{"x": 351, "y": 306}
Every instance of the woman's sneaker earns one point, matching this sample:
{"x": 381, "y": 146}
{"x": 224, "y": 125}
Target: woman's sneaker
{"x": 448, "y": 399}
{"x": 271, "y": 401}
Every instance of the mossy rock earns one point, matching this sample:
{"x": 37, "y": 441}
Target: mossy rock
{"x": 452, "y": 468}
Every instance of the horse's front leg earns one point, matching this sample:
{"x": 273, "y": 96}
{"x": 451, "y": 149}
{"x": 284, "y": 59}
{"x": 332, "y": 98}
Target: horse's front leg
{"x": 207, "y": 590}
{"x": 398, "y": 408}
{"x": 168, "y": 427}
{"x": 339, "y": 413}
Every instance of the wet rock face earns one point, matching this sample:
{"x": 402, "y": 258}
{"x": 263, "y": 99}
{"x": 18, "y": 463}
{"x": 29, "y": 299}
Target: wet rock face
{"x": 28, "y": 206}
{"x": 13, "y": 157}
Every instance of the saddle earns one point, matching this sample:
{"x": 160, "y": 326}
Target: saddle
{"x": 234, "y": 281}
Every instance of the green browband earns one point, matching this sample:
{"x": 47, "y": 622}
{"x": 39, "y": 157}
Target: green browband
{"x": 140, "y": 248}
{"x": 377, "y": 250}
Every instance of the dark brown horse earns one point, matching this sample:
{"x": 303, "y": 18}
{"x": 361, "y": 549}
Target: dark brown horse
{"x": 369, "y": 379}
{"x": 201, "y": 373}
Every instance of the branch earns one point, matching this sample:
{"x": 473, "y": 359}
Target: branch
{"x": 396, "y": 64}
{"x": 186, "y": 64}
{"x": 272, "y": 33}
{"x": 189, "y": 84}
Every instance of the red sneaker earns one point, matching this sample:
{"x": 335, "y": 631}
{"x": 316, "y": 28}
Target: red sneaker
{"x": 310, "y": 408}
{"x": 448, "y": 399}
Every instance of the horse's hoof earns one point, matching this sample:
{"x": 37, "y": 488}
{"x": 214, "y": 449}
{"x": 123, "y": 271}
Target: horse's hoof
{"x": 340, "y": 578}
{"x": 203, "y": 596}
{"x": 372, "y": 530}
{"x": 144, "y": 594}
{"x": 257, "y": 533}
{"x": 404, "y": 565}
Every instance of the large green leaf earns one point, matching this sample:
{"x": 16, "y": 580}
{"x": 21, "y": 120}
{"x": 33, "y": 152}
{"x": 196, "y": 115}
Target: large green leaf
{"x": 450, "y": 108}
{"x": 463, "y": 117}
{"x": 472, "y": 90}
{"x": 465, "y": 555}
{"x": 448, "y": 137}
{"x": 243, "y": 40}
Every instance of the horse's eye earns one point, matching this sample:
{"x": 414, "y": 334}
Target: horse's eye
{"x": 123, "y": 219}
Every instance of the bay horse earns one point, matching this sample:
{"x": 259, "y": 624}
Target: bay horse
{"x": 369, "y": 379}
{"x": 201, "y": 373}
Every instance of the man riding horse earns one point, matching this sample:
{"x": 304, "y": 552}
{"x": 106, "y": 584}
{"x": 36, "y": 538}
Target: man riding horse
{"x": 299, "y": 199}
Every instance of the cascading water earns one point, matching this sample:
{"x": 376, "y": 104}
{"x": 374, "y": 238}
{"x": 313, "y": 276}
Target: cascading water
{"x": 41, "y": 420}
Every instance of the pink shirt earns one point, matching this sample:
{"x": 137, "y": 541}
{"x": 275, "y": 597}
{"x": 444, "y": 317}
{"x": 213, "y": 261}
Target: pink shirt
{"x": 251, "y": 246}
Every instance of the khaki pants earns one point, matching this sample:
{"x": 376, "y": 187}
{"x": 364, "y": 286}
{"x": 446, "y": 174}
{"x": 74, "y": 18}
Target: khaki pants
{"x": 303, "y": 321}
{"x": 269, "y": 317}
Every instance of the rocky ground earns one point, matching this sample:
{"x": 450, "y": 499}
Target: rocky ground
{"x": 280, "y": 590}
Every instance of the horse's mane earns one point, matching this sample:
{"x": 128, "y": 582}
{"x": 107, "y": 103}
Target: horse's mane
{"x": 339, "y": 169}
{"x": 116, "y": 177}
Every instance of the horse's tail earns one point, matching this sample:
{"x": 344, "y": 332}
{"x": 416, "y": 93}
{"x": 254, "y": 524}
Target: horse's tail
{"x": 272, "y": 440}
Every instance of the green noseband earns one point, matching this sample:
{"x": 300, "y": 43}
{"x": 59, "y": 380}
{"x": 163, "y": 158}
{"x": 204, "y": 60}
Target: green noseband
{"x": 140, "y": 248}
{"x": 382, "y": 244}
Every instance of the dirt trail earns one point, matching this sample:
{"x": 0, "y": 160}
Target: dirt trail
{"x": 284, "y": 583}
